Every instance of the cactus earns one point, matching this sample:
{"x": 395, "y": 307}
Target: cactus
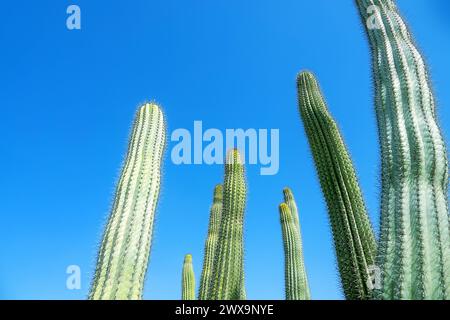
{"x": 228, "y": 274}
{"x": 125, "y": 248}
{"x": 211, "y": 243}
{"x": 352, "y": 232}
{"x": 296, "y": 282}
{"x": 188, "y": 279}
{"x": 414, "y": 247}
{"x": 290, "y": 201}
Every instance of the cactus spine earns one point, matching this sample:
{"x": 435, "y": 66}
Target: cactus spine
{"x": 352, "y": 232}
{"x": 125, "y": 248}
{"x": 228, "y": 275}
{"x": 296, "y": 282}
{"x": 188, "y": 279}
{"x": 414, "y": 248}
{"x": 211, "y": 243}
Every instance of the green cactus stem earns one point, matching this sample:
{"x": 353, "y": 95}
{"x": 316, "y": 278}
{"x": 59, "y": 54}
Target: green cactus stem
{"x": 290, "y": 201}
{"x": 353, "y": 236}
{"x": 296, "y": 282}
{"x": 211, "y": 243}
{"x": 414, "y": 247}
{"x": 228, "y": 275}
{"x": 188, "y": 279}
{"x": 125, "y": 248}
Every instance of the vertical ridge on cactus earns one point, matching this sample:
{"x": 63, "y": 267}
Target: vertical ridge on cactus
{"x": 296, "y": 282}
{"x": 125, "y": 248}
{"x": 211, "y": 243}
{"x": 228, "y": 275}
{"x": 353, "y": 236}
{"x": 414, "y": 248}
{"x": 188, "y": 279}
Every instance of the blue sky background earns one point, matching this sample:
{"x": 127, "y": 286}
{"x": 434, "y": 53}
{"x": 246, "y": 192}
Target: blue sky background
{"x": 68, "y": 99}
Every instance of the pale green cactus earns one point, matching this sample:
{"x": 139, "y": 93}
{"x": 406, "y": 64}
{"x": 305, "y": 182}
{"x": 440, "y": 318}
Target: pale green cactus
{"x": 228, "y": 274}
{"x": 290, "y": 201}
{"x": 125, "y": 248}
{"x": 188, "y": 279}
{"x": 211, "y": 243}
{"x": 296, "y": 281}
{"x": 354, "y": 240}
{"x": 414, "y": 247}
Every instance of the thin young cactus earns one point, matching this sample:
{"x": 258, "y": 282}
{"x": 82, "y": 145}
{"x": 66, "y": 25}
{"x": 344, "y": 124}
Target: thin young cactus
{"x": 296, "y": 282}
{"x": 188, "y": 279}
{"x": 290, "y": 201}
{"x": 125, "y": 248}
{"x": 414, "y": 247}
{"x": 228, "y": 275}
{"x": 352, "y": 232}
{"x": 211, "y": 243}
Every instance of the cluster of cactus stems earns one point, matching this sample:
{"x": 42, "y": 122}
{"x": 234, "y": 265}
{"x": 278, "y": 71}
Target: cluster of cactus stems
{"x": 296, "y": 281}
{"x": 354, "y": 240}
{"x": 211, "y": 243}
{"x": 125, "y": 248}
{"x": 228, "y": 271}
{"x": 414, "y": 246}
{"x": 188, "y": 279}
{"x": 413, "y": 252}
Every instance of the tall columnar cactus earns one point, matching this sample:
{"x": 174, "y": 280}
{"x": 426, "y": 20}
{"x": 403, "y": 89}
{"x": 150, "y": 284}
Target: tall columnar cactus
{"x": 188, "y": 279}
{"x": 125, "y": 248}
{"x": 414, "y": 248}
{"x": 352, "y": 232}
{"x": 296, "y": 282}
{"x": 211, "y": 243}
{"x": 228, "y": 275}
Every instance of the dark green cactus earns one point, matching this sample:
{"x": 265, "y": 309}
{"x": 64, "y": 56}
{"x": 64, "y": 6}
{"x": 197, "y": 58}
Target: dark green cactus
{"x": 352, "y": 232}
{"x": 228, "y": 275}
{"x": 125, "y": 248}
{"x": 414, "y": 248}
{"x": 296, "y": 282}
{"x": 211, "y": 243}
{"x": 188, "y": 279}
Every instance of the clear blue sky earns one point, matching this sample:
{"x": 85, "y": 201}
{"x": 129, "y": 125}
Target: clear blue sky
{"x": 68, "y": 98}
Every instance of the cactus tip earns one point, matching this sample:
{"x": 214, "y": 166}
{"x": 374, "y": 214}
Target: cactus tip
{"x": 305, "y": 75}
{"x": 218, "y": 192}
{"x": 234, "y": 157}
{"x": 287, "y": 192}
{"x": 285, "y": 212}
{"x": 188, "y": 258}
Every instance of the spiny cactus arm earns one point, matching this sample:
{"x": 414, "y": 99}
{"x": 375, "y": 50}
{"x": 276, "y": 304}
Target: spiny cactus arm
{"x": 125, "y": 248}
{"x": 211, "y": 243}
{"x": 414, "y": 248}
{"x": 296, "y": 282}
{"x": 290, "y": 201}
{"x": 352, "y": 232}
{"x": 188, "y": 279}
{"x": 228, "y": 275}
